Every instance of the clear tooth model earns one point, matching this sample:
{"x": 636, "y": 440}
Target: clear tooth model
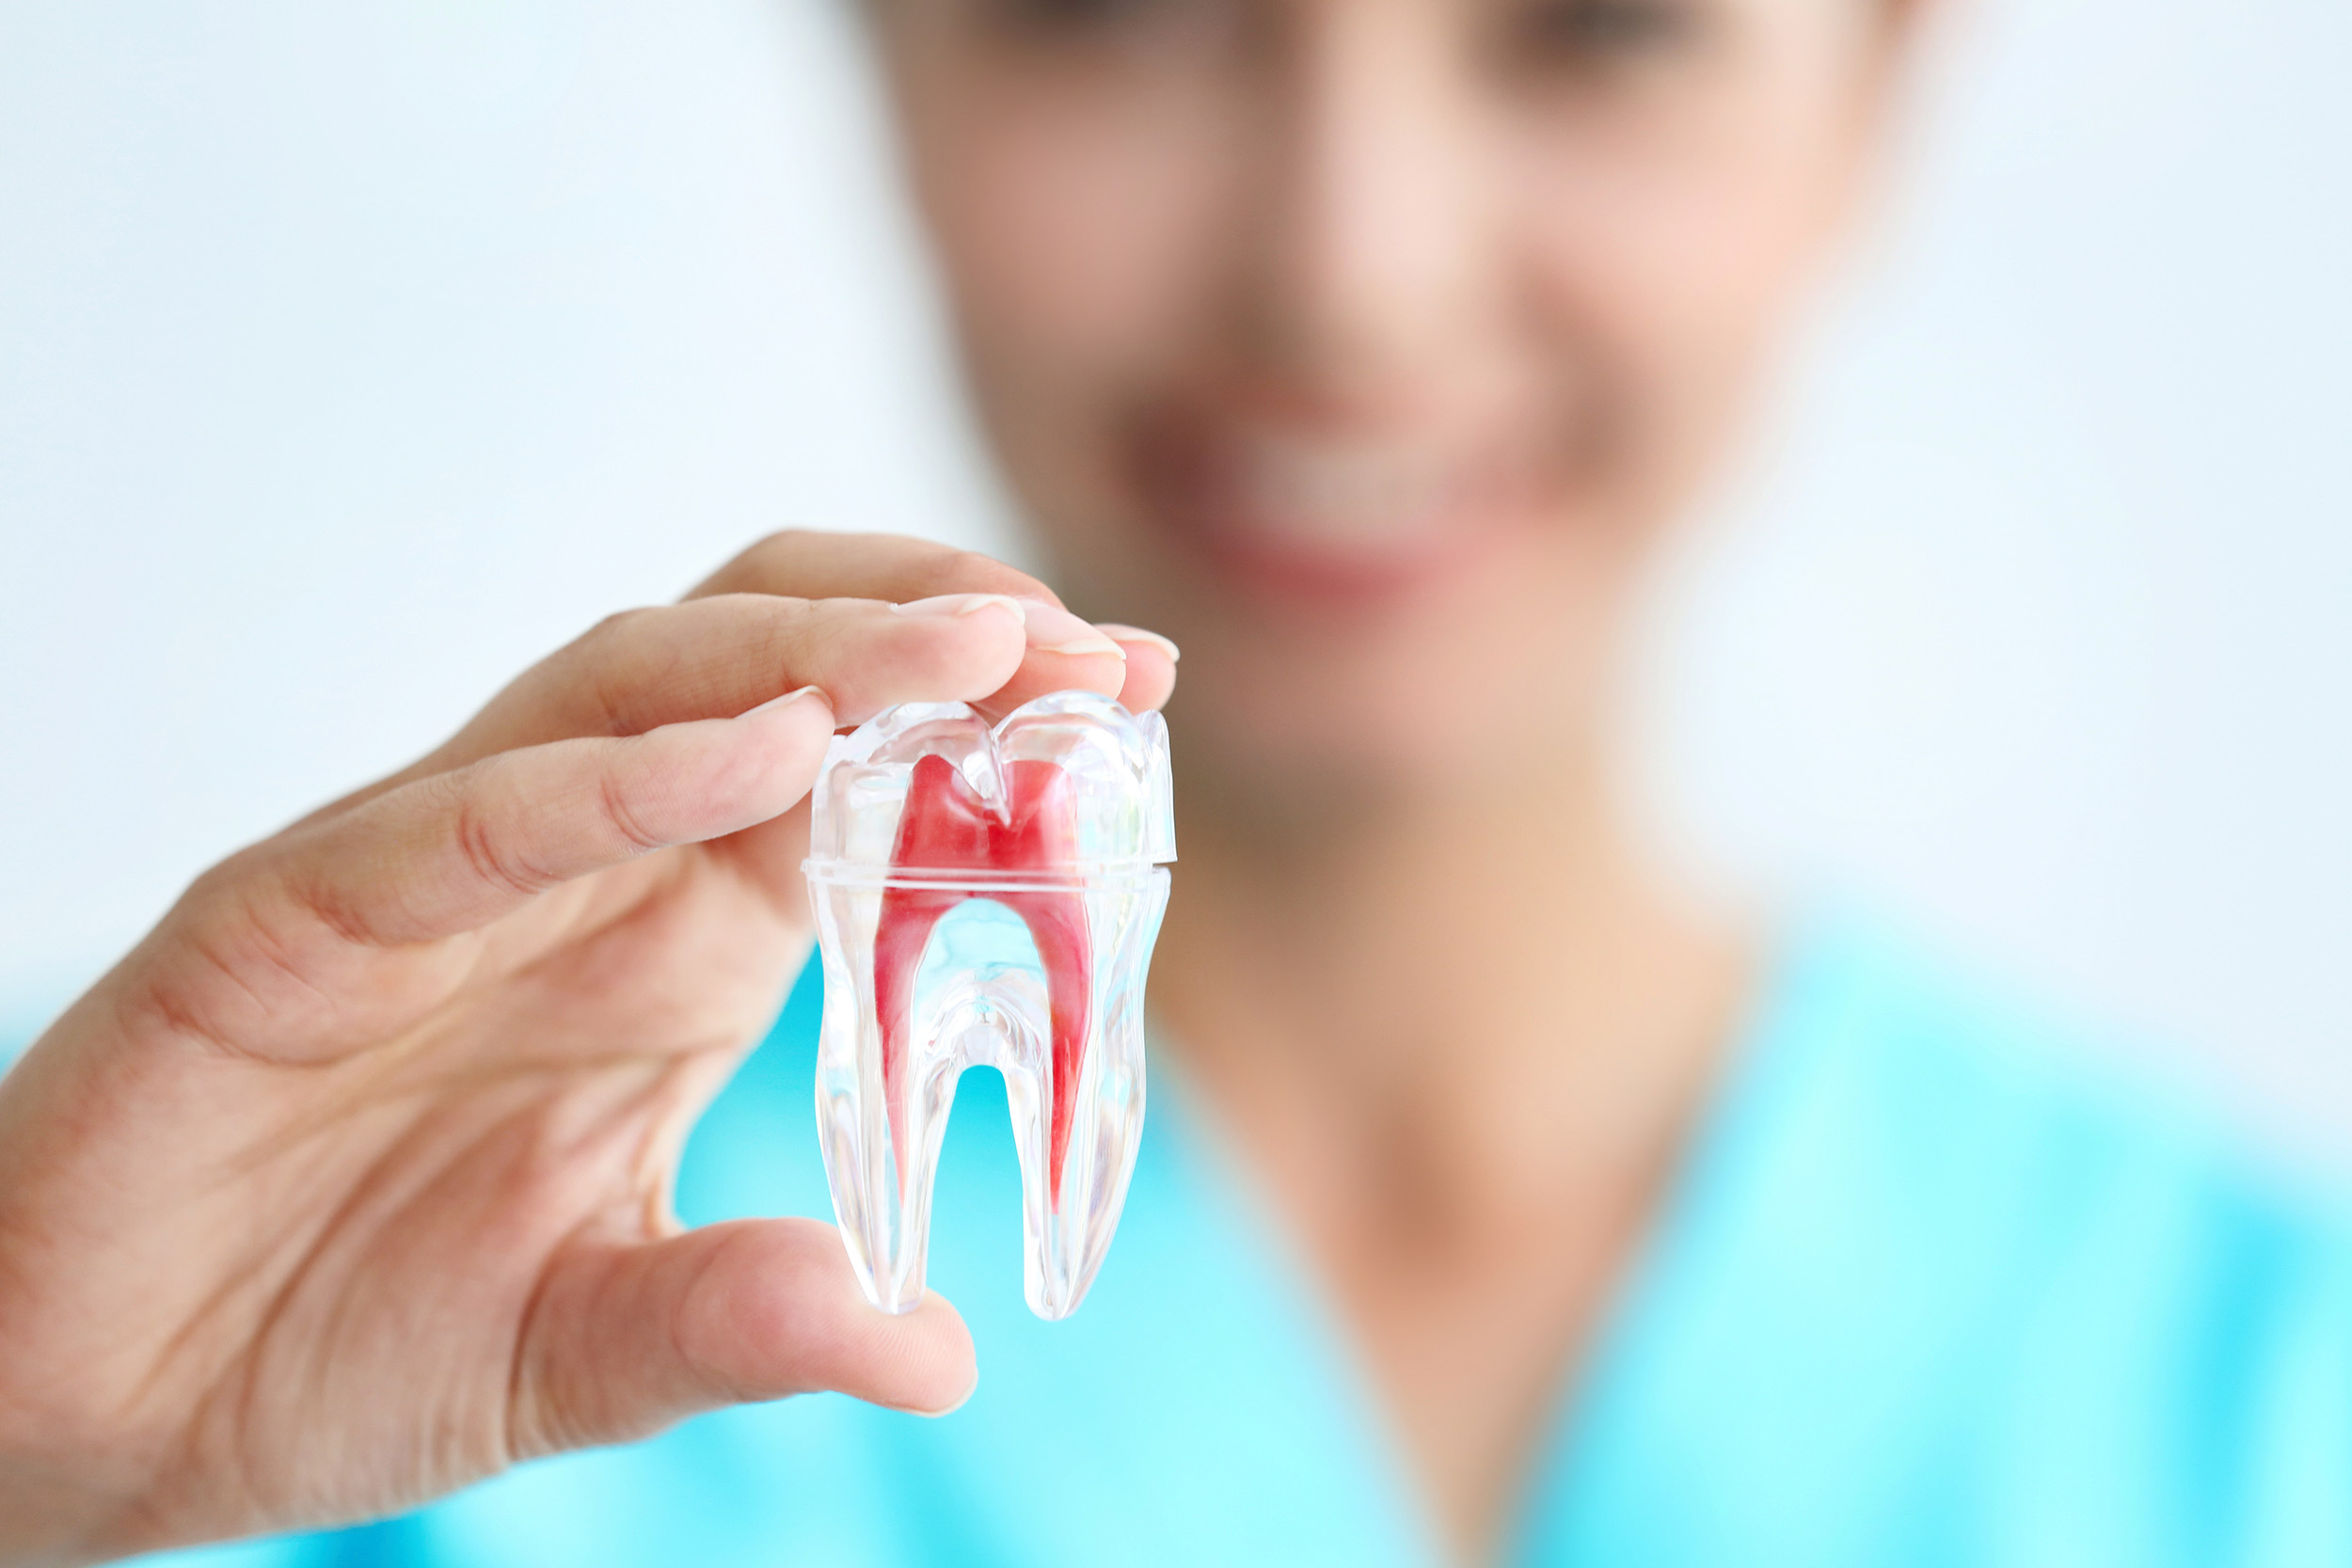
{"x": 988, "y": 897}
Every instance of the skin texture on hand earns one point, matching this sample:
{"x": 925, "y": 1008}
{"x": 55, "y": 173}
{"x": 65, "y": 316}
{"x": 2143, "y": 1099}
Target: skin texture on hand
{"x": 351, "y": 1184}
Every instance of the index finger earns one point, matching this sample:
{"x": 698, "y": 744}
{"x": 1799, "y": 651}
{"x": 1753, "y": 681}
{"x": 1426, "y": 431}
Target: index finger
{"x": 805, "y": 563}
{"x": 1064, "y": 650}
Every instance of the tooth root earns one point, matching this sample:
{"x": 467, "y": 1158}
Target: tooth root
{"x": 1070, "y": 1049}
{"x": 903, "y": 931}
{"x": 1057, "y": 925}
{"x": 1101, "y": 1095}
{"x": 1079, "y": 1096}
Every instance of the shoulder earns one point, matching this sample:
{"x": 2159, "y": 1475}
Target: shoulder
{"x": 1945, "y": 1276}
{"x": 2028, "y": 1132}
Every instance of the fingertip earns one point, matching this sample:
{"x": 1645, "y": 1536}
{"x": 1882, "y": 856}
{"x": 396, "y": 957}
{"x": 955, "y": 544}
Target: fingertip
{"x": 810, "y": 701}
{"x": 951, "y": 607}
{"x": 949, "y": 1323}
{"x": 784, "y": 1314}
{"x": 953, "y": 647}
{"x": 922, "y": 1362}
{"x": 1044, "y": 670}
{"x": 767, "y": 763}
{"x": 1133, "y": 637}
{"x": 1052, "y": 629}
{"x": 1150, "y": 677}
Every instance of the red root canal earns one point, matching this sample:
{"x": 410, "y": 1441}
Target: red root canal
{"x": 947, "y": 827}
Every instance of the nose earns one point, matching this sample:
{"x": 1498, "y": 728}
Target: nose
{"x": 1377, "y": 236}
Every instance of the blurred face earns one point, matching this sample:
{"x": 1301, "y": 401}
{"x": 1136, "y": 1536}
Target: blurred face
{"x": 1364, "y": 346}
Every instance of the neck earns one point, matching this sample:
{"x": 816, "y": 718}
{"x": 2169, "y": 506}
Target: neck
{"x": 1459, "y": 1037}
{"x": 1483, "y": 982}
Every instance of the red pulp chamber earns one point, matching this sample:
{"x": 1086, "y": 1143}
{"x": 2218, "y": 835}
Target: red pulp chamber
{"x": 947, "y": 827}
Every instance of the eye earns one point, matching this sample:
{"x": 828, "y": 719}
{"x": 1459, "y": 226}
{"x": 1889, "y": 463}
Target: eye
{"x": 1600, "y": 31}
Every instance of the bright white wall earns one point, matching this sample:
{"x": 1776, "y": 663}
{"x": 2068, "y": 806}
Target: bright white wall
{"x": 2036, "y": 615}
{"x": 352, "y": 356}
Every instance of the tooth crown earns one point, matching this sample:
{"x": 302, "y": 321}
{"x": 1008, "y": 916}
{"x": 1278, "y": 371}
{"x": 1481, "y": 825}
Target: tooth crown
{"x": 988, "y": 897}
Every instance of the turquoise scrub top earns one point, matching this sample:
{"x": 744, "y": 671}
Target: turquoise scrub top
{"x": 1929, "y": 1292}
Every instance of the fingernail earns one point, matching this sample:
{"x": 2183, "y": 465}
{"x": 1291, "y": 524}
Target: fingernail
{"x": 959, "y": 604}
{"x": 1118, "y": 633}
{"x": 773, "y": 703}
{"x": 1055, "y": 631}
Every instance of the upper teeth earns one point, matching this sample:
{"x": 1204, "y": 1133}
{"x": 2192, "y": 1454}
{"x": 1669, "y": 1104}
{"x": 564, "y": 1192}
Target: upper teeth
{"x": 1338, "y": 492}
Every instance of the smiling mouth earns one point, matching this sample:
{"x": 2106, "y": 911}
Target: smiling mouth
{"x": 1334, "y": 514}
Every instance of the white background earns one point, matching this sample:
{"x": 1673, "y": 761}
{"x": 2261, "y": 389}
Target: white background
{"x": 351, "y": 357}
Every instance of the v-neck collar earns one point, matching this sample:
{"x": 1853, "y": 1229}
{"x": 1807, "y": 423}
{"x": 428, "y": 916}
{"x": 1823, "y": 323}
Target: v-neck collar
{"x": 1751, "y": 1076}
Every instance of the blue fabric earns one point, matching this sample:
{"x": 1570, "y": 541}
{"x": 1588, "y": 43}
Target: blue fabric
{"x": 1930, "y": 1293}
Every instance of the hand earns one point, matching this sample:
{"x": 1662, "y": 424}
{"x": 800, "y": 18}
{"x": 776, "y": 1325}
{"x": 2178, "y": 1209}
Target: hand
{"x": 349, "y": 1185}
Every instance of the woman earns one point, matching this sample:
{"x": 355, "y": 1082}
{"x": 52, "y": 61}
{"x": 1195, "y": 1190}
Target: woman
{"x": 1496, "y": 1203}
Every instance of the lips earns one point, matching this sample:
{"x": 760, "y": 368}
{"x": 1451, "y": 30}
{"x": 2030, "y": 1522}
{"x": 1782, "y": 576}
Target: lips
{"x": 988, "y": 897}
{"x": 1357, "y": 494}
{"x": 1332, "y": 511}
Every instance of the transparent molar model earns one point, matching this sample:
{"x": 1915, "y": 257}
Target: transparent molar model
{"x": 988, "y": 897}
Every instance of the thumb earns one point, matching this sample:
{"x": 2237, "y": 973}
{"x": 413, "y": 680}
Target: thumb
{"x": 624, "y": 1339}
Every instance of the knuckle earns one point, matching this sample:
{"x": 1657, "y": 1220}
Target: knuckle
{"x": 218, "y": 886}
{"x": 328, "y": 907}
{"x": 256, "y": 962}
{"x": 956, "y": 571}
{"x": 840, "y": 628}
{"x": 485, "y": 853}
{"x": 768, "y": 609}
{"x": 186, "y": 1006}
{"x": 612, "y": 701}
{"x": 619, "y": 623}
{"x": 613, "y": 804}
{"x": 770, "y": 559}
{"x": 610, "y": 637}
{"x": 782, "y": 542}
{"x": 616, "y": 660}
